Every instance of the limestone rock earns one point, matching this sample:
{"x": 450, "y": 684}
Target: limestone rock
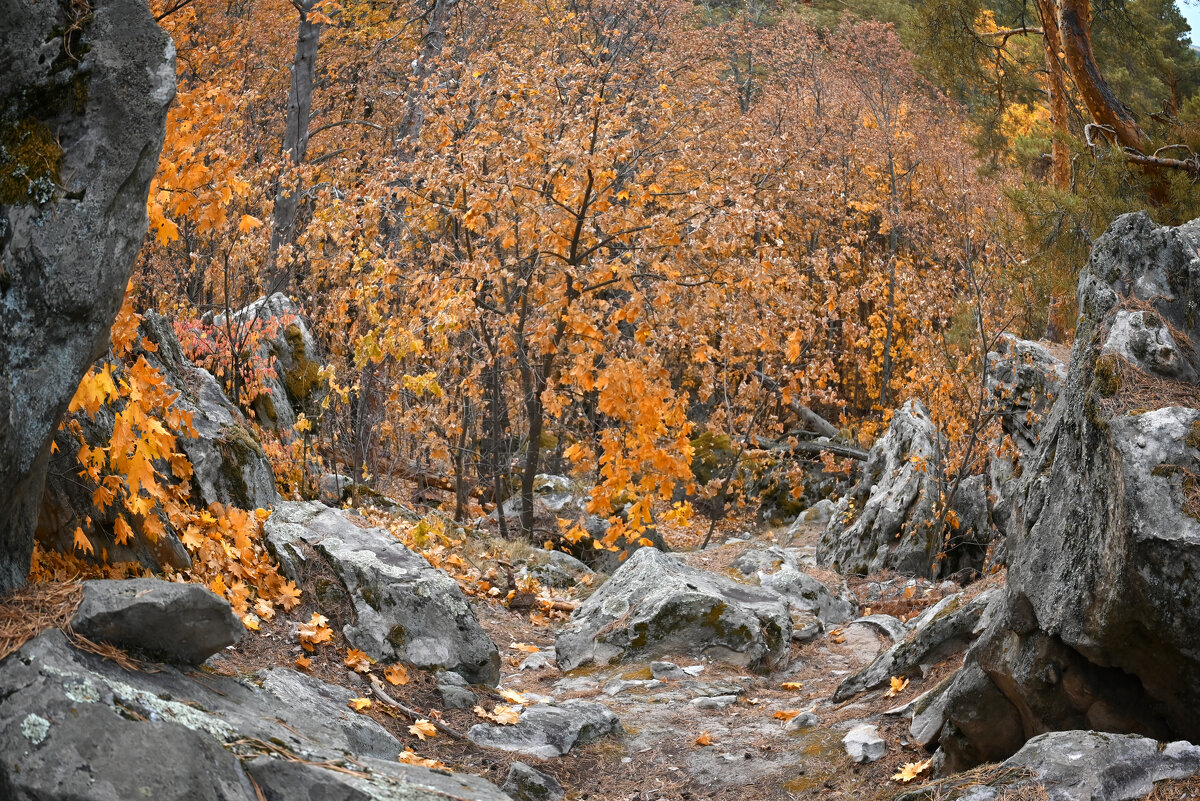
{"x": 183, "y": 623}
{"x": 527, "y": 784}
{"x": 863, "y": 744}
{"x": 887, "y": 521}
{"x": 1098, "y": 625}
{"x": 404, "y": 607}
{"x": 655, "y": 605}
{"x": 80, "y": 140}
{"x": 546, "y": 731}
{"x": 75, "y": 727}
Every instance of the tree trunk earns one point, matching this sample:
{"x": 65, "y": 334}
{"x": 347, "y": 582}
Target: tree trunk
{"x": 1074, "y": 27}
{"x": 434, "y": 42}
{"x": 1060, "y": 154}
{"x": 295, "y": 140}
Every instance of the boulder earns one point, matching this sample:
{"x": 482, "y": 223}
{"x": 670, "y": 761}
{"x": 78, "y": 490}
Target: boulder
{"x": 455, "y": 691}
{"x": 887, "y": 522}
{"x": 527, "y": 784}
{"x": 1080, "y": 766}
{"x": 1098, "y": 625}
{"x": 1023, "y": 379}
{"x": 546, "y": 731}
{"x": 175, "y": 622}
{"x": 82, "y": 118}
{"x": 228, "y": 463}
{"x": 404, "y": 607}
{"x": 937, "y": 634}
{"x": 809, "y": 600}
{"x": 560, "y": 569}
{"x": 332, "y": 488}
{"x": 655, "y": 605}
{"x": 76, "y": 727}
{"x": 298, "y": 384}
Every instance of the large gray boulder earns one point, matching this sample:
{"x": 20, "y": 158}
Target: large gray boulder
{"x": 888, "y": 521}
{"x": 167, "y": 620}
{"x": 1023, "y": 379}
{"x": 81, "y": 127}
{"x": 404, "y": 607}
{"x": 1098, "y": 629}
{"x": 655, "y": 605}
{"x": 75, "y": 727}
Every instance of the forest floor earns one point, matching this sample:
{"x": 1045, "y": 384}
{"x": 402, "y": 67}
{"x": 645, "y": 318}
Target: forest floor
{"x": 671, "y": 749}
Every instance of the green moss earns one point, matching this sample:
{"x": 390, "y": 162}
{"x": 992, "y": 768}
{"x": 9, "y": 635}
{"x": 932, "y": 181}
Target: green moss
{"x": 1107, "y": 375}
{"x": 305, "y": 375}
{"x": 238, "y": 446}
{"x": 30, "y": 163}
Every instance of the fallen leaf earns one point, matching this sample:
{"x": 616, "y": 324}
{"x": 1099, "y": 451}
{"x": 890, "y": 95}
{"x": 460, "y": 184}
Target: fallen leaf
{"x": 793, "y": 685}
{"x": 359, "y": 704}
{"x": 838, "y": 636}
{"x": 423, "y": 729}
{"x": 501, "y": 714}
{"x": 250, "y": 622}
{"x": 912, "y": 770}
{"x": 513, "y": 697}
{"x": 410, "y": 757}
{"x": 397, "y": 674}
{"x": 357, "y": 661}
{"x": 524, "y": 646}
{"x": 898, "y": 685}
{"x": 704, "y": 739}
{"x": 786, "y": 714}
{"x": 304, "y": 663}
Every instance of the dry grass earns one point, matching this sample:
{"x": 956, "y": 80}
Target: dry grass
{"x": 1176, "y": 790}
{"x": 34, "y": 608}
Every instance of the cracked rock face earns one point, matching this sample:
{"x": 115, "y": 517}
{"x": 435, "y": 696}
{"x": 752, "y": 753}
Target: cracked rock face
{"x": 404, "y": 607}
{"x": 1098, "y": 624}
{"x": 81, "y": 126}
{"x": 654, "y": 605}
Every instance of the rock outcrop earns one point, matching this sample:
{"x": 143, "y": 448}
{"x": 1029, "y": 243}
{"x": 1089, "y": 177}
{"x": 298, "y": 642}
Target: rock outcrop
{"x": 1098, "y": 629}
{"x": 81, "y": 127}
{"x": 404, "y": 608}
{"x": 75, "y": 727}
{"x": 546, "y": 731}
{"x": 655, "y": 605}
{"x": 888, "y": 521}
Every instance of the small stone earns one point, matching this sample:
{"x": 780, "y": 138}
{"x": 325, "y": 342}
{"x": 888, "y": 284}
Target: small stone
{"x": 864, "y": 744}
{"x": 528, "y": 784}
{"x": 693, "y": 670}
{"x": 805, "y": 720}
{"x": 667, "y": 671}
{"x": 714, "y": 702}
{"x": 537, "y": 661}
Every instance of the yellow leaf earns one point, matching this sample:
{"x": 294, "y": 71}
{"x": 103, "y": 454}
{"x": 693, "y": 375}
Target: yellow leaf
{"x": 898, "y": 684}
{"x": 522, "y": 646}
{"x": 501, "y": 714}
{"x": 704, "y": 739}
{"x": 250, "y": 622}
{"x": 396, "y": 674}
{"x": 217, "y": 585}
{"x": 912, "y": 770}
{"x": 410, "y": 757}
{"x": 512, "y": 696}
{"x": 82, "y": 543}
{"x": 423, "y": 729}
{"x": 793, "y": 685}
{"x": 121, "y": 531}
{"x": 359, "y": 704}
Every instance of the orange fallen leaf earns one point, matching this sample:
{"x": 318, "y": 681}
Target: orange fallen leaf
{"x": 396, "y": 675}
{"x": 838, "y": 636}
{"x": 501, "y": 714}
{"x": 512, "y": 696}
{"x": 250, "y": 622}
{"x": 423, "y": 729}
{"x": 793, "y": 685}
{"x": 410, "y": 757}
{"x": 704, "y": 739}
{"x": 524, "y": 646}
{"x": 359, "y": 704}
{"x": 357, "y": 661}
{"x": 304, "y": 663}
{"x": 786, "y": 714}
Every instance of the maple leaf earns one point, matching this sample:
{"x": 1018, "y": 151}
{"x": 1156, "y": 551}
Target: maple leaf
{"x": 423, "y": 729}
{"x": 410, "y": 757}
{"x": 315, "y": 632}
{"x": 912, "y": 770}
{"x": 526, "y": 647}
{"x": 787, "y": 714}
{"x": 248, "y": 223}
{"x": 250, "y": 622}
{"x": 501, "y": 714}
{"x": 512, "y": 696}
{"x": 303, "y": 662}
{"x": 704, "y": 739}
{"x": 898, "y": 684}
{"x": 396, "y": 675}
{"x": 838, "y": 636}
{"x": 793, "y": 685}
{"x": 357, "y": 660}
{"x": 359, "y": 704}
{"x": 82, "y": 543}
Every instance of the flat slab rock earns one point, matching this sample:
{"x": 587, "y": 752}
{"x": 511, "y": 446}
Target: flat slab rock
{"x": 1086, "y": 766}
{"x": 404, "y": 607}
{"x": 655, "y": 605}
{"x": 74, "y": 727}
{"x": 183, "y": 623}
{"x": 546, "y": 731}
